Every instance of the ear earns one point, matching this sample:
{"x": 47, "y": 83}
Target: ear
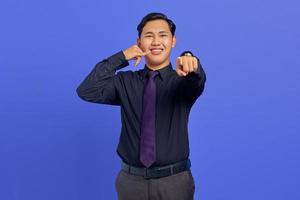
{"x": 138, "y": 42}
{"x": 173, "y": 41}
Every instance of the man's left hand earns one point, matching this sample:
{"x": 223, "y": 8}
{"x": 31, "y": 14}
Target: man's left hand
{"x": 186, "y": 64}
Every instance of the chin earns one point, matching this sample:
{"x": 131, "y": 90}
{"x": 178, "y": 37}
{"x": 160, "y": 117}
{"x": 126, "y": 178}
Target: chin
{"x": 156, "y": 61}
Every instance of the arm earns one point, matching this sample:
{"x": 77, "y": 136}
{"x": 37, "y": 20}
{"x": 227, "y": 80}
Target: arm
{"x": 99, "y": 86}
{"x": 193, "y": 76}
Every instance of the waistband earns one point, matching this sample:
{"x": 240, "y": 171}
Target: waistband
{"x": 158, "y": 172}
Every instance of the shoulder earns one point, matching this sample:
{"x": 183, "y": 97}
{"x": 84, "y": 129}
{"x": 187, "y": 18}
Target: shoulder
{"x": 129, "y": 74}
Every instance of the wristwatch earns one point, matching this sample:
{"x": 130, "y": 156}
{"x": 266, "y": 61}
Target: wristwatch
{"x": 187, "y": 53}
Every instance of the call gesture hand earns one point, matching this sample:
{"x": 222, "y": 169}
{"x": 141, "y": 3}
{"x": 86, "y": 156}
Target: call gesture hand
{"x": 135, "y": 53}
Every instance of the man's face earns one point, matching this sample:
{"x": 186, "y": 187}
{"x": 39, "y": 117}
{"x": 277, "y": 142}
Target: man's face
{"x": 157, "y": 37}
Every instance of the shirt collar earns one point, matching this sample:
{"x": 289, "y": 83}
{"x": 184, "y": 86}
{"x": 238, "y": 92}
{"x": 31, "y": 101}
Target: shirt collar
{"x": 163, "y": 72}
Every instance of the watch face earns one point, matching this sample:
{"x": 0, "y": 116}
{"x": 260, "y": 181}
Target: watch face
{"x": 188, "y": 54}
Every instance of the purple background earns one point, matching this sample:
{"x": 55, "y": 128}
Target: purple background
{"x": 244, "y": 129}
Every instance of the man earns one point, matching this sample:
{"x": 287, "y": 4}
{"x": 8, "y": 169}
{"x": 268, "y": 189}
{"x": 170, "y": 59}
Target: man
{"x": 155, "y": 104}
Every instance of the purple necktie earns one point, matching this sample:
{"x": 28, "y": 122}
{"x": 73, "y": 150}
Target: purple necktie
{"x": 147, "y": 145}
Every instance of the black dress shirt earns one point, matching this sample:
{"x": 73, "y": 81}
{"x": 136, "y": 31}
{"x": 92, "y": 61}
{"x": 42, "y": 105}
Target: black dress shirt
{"x": 174, "y": 99}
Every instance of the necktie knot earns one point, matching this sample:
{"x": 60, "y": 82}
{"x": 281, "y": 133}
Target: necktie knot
{"x": 152, "y": 74}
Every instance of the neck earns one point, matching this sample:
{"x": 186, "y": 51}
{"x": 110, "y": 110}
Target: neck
{"x": 157, "y": 67}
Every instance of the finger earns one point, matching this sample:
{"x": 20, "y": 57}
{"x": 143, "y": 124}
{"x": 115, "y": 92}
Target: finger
{"x": 178, "y": 62}
{"x": 145, "y": 53}
{"x": 190, "y": 63}
{"x": 195, "y": 64}
{"x": 140, "y": 52}
{"x": 138, "y": 60}
{"x": 180, "y": 72}
{"x": 185, "y": 65}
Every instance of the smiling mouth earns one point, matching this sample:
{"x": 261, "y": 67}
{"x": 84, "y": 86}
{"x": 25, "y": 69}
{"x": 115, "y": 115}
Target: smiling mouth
{"x": 156, "y": 51}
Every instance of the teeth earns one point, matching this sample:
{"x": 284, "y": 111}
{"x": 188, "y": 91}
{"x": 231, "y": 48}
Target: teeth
{"x": 156, "y": 50}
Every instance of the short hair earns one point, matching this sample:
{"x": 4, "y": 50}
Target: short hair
{"x": 155, "y": 16}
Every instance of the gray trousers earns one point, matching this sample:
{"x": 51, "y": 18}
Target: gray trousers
{"x": 179, "y": 186}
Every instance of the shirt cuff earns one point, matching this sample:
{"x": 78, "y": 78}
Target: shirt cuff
{"x": 118, "y": 60}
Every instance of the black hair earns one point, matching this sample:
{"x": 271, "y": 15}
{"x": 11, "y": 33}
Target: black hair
{"x": 155, "y": 16}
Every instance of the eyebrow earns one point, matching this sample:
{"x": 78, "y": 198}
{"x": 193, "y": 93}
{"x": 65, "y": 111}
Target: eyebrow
{"x": 149, "y": 32}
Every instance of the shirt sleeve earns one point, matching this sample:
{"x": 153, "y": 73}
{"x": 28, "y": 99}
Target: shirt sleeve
{"x": 100, "y": 84}
{"x": 192, "y": 85}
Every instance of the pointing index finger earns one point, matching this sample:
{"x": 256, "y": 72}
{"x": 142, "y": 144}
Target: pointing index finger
{"x": 145, "y": 53}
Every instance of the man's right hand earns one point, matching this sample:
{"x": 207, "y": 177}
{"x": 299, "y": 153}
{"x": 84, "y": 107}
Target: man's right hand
{"x": 135, "y": 53}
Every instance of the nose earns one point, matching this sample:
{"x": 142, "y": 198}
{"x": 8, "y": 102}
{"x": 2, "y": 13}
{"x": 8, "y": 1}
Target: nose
{"x": 155, "y": 41}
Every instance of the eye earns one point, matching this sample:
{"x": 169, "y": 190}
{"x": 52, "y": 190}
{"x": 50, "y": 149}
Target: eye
{"x": 164, "y": 35}
{"x": 148, "y": 36}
